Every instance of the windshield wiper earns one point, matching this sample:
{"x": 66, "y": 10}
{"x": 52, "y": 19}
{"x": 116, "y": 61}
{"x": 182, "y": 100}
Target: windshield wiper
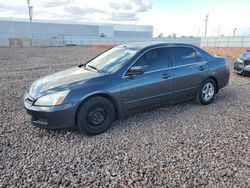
{"x": 93, "y": 67}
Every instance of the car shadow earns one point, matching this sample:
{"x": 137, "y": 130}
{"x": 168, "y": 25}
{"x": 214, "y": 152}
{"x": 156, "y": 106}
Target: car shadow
{"x": 146, "y": 118}
{"x": 129, "y": 123}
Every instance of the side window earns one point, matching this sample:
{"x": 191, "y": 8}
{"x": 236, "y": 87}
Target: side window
{"x": 154, "y": 59}
{"x": 186, "y": 55}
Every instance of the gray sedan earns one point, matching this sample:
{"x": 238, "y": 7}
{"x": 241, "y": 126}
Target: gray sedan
{"x": 123, "y": 80}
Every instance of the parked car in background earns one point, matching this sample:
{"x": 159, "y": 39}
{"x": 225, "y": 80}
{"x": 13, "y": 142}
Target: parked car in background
{"x": 242, "y": 63}
{"x": 123, "y": 80}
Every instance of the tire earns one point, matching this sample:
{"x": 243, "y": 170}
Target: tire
{"x": 95, "y": 116}
{"x": 206, "y": 92}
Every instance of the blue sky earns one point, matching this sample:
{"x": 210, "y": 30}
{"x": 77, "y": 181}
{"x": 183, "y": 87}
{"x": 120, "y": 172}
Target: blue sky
{"x": 187, "y": 17}
{"x": 167, "y": 17}
{"x": 189, "y": 5}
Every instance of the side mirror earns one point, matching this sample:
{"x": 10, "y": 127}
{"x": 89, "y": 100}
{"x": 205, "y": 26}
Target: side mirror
{"x": 136, "y": 70}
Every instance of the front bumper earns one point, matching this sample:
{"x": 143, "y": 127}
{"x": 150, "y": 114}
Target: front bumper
{"x": 56, "y": 117}
{"x": 240, "y": 68}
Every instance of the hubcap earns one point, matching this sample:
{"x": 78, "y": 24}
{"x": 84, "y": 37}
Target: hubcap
{"x": 208, "y": 91}
{"x": 96, "y": 116}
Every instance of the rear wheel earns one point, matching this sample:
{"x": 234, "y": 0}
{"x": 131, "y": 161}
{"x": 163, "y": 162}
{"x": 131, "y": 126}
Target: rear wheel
{"x": 206, "y": 92}
{"x": 96, "y": 115}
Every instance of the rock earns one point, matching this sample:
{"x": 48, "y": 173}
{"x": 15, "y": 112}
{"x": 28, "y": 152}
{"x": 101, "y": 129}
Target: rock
{"x": 183, "y": 145}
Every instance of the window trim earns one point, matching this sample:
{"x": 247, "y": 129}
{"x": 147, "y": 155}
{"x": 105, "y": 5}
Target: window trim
{"x": 198, "y": 63}
{"x": 172, "y": 59}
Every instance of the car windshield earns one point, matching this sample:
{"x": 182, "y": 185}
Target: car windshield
{"x": 111, "y": 60}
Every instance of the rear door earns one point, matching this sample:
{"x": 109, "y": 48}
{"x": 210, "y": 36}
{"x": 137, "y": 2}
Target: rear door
{"x": 190, "y": 70}
{"x": 152, "y": 87}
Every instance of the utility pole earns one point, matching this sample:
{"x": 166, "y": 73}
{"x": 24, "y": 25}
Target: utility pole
{"x": 199, "y": 30}
{"x": 30, "y": 8}
{"x": 234, "y": 31}
{"x": 206, "y": 20}
{"x": 218, "y": 30}
{"x": 11, "y": 28}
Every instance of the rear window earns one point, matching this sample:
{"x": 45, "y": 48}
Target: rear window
{"x": 186, "y": 55}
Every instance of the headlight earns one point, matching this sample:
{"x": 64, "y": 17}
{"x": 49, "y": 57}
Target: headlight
{"x": 52, "y": 99}
{"x": 239, "y": 60}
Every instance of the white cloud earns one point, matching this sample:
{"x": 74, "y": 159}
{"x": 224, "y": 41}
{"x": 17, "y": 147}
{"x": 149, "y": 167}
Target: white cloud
{"x": 222, "y": 20}
{"x": 96, "y": 10}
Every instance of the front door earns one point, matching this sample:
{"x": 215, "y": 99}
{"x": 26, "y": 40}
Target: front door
{"x": 154, "y": 86}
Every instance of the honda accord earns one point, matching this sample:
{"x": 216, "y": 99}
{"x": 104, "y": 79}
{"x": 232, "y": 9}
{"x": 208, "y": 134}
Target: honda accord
{"x": 123, "y": 80}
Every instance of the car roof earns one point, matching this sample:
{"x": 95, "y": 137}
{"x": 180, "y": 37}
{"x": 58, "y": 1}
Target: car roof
{"x": 142, "y": 45}
{"x": 147, "y": 45}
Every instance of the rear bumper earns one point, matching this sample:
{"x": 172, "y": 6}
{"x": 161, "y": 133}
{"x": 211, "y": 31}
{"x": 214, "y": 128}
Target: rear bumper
{"x": 57, "y": 117}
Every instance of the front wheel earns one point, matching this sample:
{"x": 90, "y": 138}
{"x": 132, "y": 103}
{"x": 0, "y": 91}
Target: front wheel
{"x": 206, "y": 92}
{"x": 96, "y": 115}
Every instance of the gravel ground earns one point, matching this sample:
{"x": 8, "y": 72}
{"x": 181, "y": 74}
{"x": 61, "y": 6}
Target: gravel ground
{"x": 184, "y": 145}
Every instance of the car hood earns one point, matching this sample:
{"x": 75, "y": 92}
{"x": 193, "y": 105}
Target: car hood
{"x": 245, "y": 56}
{"x": 60, "y": 80}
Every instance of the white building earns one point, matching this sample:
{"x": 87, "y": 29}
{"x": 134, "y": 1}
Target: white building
{"x": 17, "y": 28}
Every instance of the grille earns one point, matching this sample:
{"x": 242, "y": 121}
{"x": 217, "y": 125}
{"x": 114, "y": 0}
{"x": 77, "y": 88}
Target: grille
{"x": 247, "y": 62}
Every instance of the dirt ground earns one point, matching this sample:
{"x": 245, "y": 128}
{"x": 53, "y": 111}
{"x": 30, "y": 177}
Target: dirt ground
{"x": 183, "y": 145}
{"x": 228, "y": 52}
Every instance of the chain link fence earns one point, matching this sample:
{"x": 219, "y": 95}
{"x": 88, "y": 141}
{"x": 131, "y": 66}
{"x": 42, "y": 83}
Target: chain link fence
{"x": 87, "y": 41}
{"x": 61, "y": 40}
{"x": 219, "y": 42}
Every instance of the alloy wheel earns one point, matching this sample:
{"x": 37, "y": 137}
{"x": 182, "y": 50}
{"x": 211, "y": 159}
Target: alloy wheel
{"x": 207, "y": 92}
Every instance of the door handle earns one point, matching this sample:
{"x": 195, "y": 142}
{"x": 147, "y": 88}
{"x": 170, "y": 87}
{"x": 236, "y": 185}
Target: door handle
{"x": 166, "y": 76}
{"x": 202, "y": 68}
